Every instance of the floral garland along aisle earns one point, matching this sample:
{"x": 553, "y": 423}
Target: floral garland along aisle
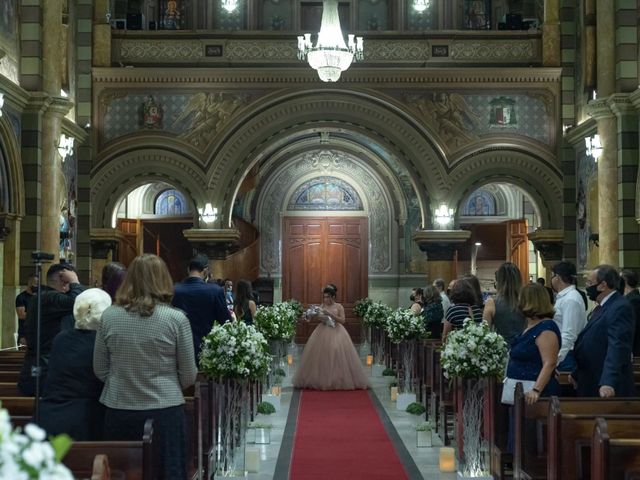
{"x": 473, "y": 353}
{"x": 232, "y": 354}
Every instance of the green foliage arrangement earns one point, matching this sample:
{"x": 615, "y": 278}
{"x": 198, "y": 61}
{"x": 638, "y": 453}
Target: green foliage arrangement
{"x": 265, "y": 408}
{"x": 416, "y": 408}
{"x": 362, "y": 306}
{"x": 405, "y": 325}
{"x": 424, "y": 427}
{"x": 377, "y": 315}
{"x": 279, "y": 372}
{"x": 278, "y": 321}
{"x": 388, "y": 372}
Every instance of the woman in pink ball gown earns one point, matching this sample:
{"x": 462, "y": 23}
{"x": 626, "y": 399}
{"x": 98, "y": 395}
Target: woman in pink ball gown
{"x": 329, "y": 360}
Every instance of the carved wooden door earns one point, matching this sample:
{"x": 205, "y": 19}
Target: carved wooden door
{"x": 518, "y": 245}
{"x": 321, "y": 250}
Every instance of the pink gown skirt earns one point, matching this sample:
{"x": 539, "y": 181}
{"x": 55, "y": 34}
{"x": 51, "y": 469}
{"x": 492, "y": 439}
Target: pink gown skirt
{"x": 330, "y": 362}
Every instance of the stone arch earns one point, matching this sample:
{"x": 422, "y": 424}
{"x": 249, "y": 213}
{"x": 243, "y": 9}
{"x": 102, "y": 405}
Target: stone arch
{"x": 534, "y": 173}
{"x": 374, "y": 192}
{"x": 378, "y": 118}
{"x": 14, "y": 181}
{"x": 133, "y": 168}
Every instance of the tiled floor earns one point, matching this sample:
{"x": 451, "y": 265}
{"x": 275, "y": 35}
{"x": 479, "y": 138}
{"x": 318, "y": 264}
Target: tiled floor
{"x": 426, "y": 459}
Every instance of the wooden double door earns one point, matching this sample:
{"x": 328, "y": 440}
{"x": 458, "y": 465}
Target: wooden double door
{"x": 321, "y": 250}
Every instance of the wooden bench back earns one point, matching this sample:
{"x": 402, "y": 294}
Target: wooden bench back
{"x": 9, "y": 376}
{"x": 18, "y": 405}
{"x": 9, "y": 389}
{"x": 133, "y": 458}
{"x": 614, "y": 453}
{"x": 570, "y": 429}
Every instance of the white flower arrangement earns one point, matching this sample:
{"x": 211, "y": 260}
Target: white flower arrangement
{"x": 474, "y": 351}
{"x": 361, "y": 307}
{"x": 377, "y": 315}
{"x": 234, "y": 350}
{"x": 405, "y": 325}
{"x": 27, "y": 455}
{"x": 278, "y": 321}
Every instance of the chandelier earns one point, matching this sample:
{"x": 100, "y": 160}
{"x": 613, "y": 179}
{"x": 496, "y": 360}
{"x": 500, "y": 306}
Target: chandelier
{"x": 330, "y": 56}
{"x": 420, "y": 5}
{"x": 229, "y": 5}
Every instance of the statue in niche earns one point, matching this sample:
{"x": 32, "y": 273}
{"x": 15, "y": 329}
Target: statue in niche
{"x": 206, "y": 114}
{"x": 171, "y": 18}
{"x": 450, "y": 115}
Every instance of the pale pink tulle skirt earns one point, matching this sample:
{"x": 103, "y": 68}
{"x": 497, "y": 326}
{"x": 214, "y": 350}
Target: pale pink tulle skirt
{"x": 330, "y": 362}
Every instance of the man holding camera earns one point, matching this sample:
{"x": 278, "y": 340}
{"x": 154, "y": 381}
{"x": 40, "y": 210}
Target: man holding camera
{"x": 57, "y": 299}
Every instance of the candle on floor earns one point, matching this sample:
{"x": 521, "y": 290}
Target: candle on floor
{"x": 276, "y": 390}
{"x": 369, "y": 360}
{"x": 394, "y": 394}
{"x": 252, "y": 460}
{"x": 289, "y": 359}
{"x": 447, "y": 459}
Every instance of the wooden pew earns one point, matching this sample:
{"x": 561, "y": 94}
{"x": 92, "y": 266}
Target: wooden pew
{"x": 133, "y": 458}
{"x": 9, "y": 376}
{"x": 570, "y": 431}
{"x": 18, "y": 405}
{"x": 498, "y": 429}
{"x": 531, "y": 424}
{"x": 9, "y": 389}
{"x": 615, "y": 454}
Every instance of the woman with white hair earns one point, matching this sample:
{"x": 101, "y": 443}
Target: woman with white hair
{"x": 72, "y": 391}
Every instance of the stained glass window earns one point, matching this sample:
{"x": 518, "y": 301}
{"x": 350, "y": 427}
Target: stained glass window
{"x": 480, "y": 203}
{"x": 170, "y": 202}
{"x": 325, "y": 193}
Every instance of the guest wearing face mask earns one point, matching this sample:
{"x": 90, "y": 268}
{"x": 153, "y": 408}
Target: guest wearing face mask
{"x": 603, "y": 348}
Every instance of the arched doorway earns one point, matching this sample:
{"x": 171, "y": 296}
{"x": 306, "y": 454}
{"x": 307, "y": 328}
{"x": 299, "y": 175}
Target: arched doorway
{"x": 499, "y": 215}
{"x": 151, "y": 218}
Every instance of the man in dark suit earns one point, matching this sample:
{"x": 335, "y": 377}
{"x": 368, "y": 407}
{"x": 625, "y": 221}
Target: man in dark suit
{"x": 631, "y": 293}
{"x": 58, "y": 296}
{"x": 202, "y": 302}
{"x": 603, "y": 348}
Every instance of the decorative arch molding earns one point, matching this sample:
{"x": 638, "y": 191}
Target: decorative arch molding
{"x": 135, "y": 168}
{"x": 376, "y": 197}
{"x": 538, "y": 179}
{"x": 13, "y": 168}
{"x": 397, "y": 179}
{"x": 375, "y": 115}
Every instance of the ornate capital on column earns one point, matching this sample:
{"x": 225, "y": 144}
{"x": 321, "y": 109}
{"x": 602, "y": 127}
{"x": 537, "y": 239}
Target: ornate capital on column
{"x": 549, "y": 243}
{"x": 440, "y": 244}
{"x": 215, "y": 243}
{"x": 103, "y": 240}
{"x": 600, "y": 108}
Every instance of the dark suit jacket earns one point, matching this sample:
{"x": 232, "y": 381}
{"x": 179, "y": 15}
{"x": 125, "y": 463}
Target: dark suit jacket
{"x": 55, "y": 307}
{"x": 634, "y": 299}
{"x": 72, "y": 391}
{"x": 203, "y": 303}
{"x": 603, "y": 350}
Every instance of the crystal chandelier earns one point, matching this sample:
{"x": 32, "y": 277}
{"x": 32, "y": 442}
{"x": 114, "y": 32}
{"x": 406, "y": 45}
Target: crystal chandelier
{"x": 420, "y": 5}
{"x": 229, "y": 5}
{"x": 330, "y": 56}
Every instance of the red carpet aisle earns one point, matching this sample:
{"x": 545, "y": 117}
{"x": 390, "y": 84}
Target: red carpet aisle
{"x": 340, "y": 436}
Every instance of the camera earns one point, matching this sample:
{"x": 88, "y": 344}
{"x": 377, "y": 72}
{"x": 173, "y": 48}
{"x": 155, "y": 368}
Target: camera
{"x": 42, "y": 257}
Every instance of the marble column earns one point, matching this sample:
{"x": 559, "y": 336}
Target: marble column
{"x": 605, "y": 47}
{"x": 607, "y": 181}
{"x": 551, "y": 34}
{"x": 101, "y": 34}
{"x": 440, "y": 247}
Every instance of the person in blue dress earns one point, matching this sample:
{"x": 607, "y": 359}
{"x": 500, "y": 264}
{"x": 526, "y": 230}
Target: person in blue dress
{"x": 534, "y": 353}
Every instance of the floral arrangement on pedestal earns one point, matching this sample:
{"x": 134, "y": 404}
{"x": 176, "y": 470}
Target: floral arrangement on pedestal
{"x": 376, "y": 318}
{"x": 27, "y": 455}
{"x": 232, "y": 354}
{"x": 360, "y": 308}
{"x": 278, "y": 321}
{"x": 404, "y": 328}
{"x": 473, "y": 353}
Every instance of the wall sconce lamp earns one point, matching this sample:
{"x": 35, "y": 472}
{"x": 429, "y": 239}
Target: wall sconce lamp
{"x": 594, "y": 146}
{"x": 65, "y": 146}
{"x": 421, "y": 5}
{"x": 229, "y": 5}
{"x": 443, "y": 215}
{"x": 1, "y": 103}
{"x": 208, "y": 214}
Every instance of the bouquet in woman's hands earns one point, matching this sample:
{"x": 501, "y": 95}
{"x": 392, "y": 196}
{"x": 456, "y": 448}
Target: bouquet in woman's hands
{"x": 317, "y": 311}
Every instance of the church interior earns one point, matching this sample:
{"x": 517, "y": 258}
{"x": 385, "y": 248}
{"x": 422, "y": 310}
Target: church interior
{"x": 448, "y": 137}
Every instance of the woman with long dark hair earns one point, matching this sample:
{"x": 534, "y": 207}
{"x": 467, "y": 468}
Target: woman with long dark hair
{"x": 243, "y": 305}
{"x": 502, "y": 313}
